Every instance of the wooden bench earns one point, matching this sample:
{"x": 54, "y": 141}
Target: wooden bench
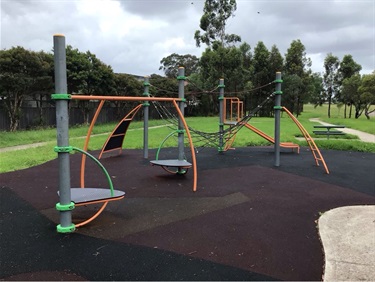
{"x": 328, "y": 132}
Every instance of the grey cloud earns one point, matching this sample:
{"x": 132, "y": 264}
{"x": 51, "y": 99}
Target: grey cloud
{"x": 340, "y": 27}
{"x": 169, "y": 10}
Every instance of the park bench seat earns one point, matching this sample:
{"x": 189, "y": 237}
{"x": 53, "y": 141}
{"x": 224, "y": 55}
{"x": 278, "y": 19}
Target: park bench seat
{"x": 330, "y": 132}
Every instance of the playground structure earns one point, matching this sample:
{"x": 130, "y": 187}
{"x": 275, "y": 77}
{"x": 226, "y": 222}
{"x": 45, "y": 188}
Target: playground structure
{"x": 71, "y": 197}
{"x": 235, "y": 116}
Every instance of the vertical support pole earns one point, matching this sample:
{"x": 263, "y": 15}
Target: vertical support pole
{"x": 181, "y": 94}
{"x": 146, "y": 105}
{"x": 221, "y": 115}
{"x": 62, "y": 127}
{"x": 277, "y": 109}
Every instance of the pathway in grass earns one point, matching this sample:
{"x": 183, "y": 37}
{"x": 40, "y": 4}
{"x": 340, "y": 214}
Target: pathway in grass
{"x": 34, "y": 145}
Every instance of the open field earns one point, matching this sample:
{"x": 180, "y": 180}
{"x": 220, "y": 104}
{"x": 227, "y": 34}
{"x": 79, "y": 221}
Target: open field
{"x": 14, "y": 160}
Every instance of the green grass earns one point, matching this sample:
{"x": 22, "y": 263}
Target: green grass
{"x": 20, "y": 159}
{"x": 337, "y": 117}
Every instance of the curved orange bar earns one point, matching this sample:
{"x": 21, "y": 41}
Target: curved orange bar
{"x": 126, "y": 98}
{"x": 309, "y": 140}
{"x": 194, "y": 161}
{"x": 93, "y": 217}
{"x": 83, "y": 160}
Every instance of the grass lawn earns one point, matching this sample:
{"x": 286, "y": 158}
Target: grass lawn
{"x": 15, "y": 160}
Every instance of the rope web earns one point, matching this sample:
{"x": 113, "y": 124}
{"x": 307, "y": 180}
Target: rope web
{"x": 204, "y": 139}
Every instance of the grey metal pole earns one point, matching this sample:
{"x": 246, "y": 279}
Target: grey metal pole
{"x": 62, "y": 127}
{"x": 181, "y": 94}
{"x": 221, "y": 114}
{"x": 277, "y": 109}
{"x": 146, "y": 105}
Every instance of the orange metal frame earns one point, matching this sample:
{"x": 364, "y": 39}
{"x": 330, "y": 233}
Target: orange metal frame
{"x": 234, "y": 102}
{"x": 126, "y": 98}
{"x": 314, "y": 149}
{"x": 235, "y": 115}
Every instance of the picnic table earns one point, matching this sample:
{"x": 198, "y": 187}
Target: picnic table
{"x": 328, "y": 130}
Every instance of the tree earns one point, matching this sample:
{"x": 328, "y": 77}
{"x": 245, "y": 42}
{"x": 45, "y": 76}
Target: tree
{"x": 126, "y": 85}
{"x": 296, "y": 63}
{"x": 213, "y": 22}
{"x": 224, "y": 62}
{"x": 276, "y": 60}
{"x": 293, "y": 85}
{"x": 22, "y": 72}
{"x": 44, "y": 86}
{"x": 163, "y": 86}
{"x": 367, "y": 93}
{"x": 330, "y": 79}
{"x": 87, "y": 75}
{"x": 261, "y": 76}
{"x": 315, "y": 90}
{"x": 171, "y": 64}
{"x": 349, "y": 88}
{"x": 348, "y": 67}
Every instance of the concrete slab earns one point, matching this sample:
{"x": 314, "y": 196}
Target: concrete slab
{"x": 348, "y": 238}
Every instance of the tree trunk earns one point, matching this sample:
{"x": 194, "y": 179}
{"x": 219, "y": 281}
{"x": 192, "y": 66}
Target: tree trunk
{"x": 13, "y": 109}
{"x": 345, "y": 110}
{"x": 350, "y": 110}
{"x": 329, "y": 105}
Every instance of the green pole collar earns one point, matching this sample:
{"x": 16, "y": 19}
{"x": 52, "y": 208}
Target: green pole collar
{"x": 221, "y": 86}
{"x": 278, "y": 81}
{"x": 67, "y": 229}
{"x": 61, "y": 96}
{"x": 146, "y": 104}
{"x": 146, "y": 84}
{"x": 278, "y": 107}
{"x": 221, "y": 98}
{"x": 181, "y": 77}
{"x": 68, "y": 207}
{"x": 278, "y": 92}
{"x": 66, "y": 149}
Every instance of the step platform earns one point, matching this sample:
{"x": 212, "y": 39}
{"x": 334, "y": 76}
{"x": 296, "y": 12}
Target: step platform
{"x": 172, "y": 163}
{"x": 90, "y": 195}
{"x": 179, "y": 166}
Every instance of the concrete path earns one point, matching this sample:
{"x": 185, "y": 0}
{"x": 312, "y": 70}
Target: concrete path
{"x": 363, "y": 136}
{"x": 348, "y": 237}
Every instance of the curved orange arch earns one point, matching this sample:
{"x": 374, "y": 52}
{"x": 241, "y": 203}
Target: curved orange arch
{"x": 126, "y": 98}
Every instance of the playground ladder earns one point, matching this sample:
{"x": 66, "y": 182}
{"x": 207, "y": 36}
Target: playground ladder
{"x": 314, "y": 149}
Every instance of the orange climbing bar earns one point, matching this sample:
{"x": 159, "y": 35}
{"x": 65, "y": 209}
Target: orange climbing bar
{"x": 194, "y": 161}
{"x": 313, "y": 147}
{"x": 123, "y": 98}
{"x": 87, "y": 140}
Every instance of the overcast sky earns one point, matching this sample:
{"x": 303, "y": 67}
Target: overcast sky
{"x": 134, "y": 35}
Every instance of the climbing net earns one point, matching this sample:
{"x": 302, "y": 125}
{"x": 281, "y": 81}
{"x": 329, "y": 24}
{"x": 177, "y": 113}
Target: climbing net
{"x": 204, "y": 139}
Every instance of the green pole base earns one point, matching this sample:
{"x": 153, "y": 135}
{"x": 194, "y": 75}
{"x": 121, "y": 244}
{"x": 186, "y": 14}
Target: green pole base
{"x": 68, "y": 229}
